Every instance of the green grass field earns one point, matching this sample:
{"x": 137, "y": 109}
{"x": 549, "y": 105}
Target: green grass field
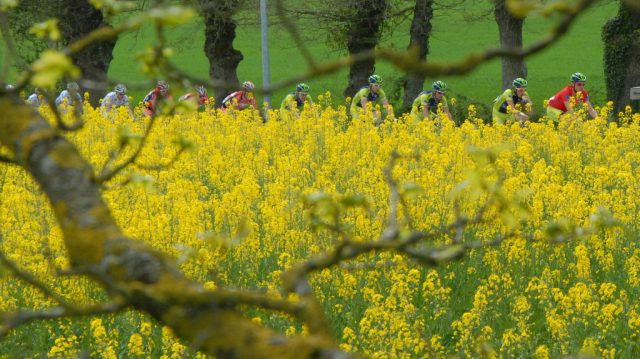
{"x": 452, "y": 39}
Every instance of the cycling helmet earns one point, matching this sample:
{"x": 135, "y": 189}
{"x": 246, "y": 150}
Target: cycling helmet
{"x": 440, "y": 86}
{"x": 120, "y": 89}
{"x": 73, "y": 86}
{"x": 248, "y": 85}
{"x": 519, "y": 82}
{"x": 9, "y": 87}
{"x": 302, "y": 88}
{"x": 162, "y": 85}
{"x": 375, "y": 79}
{"x": 578, "y": 77}
{"x": 201, "y": 90}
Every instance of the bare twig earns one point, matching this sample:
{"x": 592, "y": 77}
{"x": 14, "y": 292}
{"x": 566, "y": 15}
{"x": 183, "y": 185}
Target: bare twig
{"x": 281, "y": 12}
{"x": 30, "y": 279}
{"x": 107, "y": 174}
{"x": 10, "y": 321}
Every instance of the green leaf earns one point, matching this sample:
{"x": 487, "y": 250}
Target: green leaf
{"x": 51, "y": 67}
{"x": 8, "y": 4}
{"x": 125, "y": 136}
{"x": 47, "y": 29}
{"x": 172, "y": 15}
{"x": 411, "y": 190}
{"x": 355, "y": 200}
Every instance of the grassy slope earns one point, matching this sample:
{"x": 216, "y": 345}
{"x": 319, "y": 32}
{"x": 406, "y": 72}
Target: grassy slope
{"x": 452, "y": 39}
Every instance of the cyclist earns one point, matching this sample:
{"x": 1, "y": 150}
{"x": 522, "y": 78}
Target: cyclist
{"x": 70, "y": 97}
{"x": 36, "y": 98}
{"x": 241, "y": 99}
{"x": 426, "y": 104}
{"x": 509, "y": 106}
{"x": 570, "y": 97}
{"x": 372, "y": 93}
{"x": 116, "y": 98}
{"x": 298, "y": 99}
{"x": 155, "y": 97}
{"x": 201, "y": 96}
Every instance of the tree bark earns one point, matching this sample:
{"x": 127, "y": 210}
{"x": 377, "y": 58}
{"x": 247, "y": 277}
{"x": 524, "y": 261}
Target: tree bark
{"x": 510, "y": 29}
{"x": 363, "y": 35}
{"x": 418, "y": 45}
{"x": 220, "y": 31}
{"x": 621, "y": 36}
{"x": 77, "y": 18}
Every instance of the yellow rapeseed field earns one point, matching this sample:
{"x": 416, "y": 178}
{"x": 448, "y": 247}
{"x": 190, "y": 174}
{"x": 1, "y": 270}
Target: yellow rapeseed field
{"x": 232, "y": 213}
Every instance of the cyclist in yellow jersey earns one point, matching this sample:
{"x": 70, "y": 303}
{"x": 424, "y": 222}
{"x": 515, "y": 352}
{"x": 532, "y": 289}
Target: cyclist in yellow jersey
{"x": 426, "y": 104}
{"x": 371, "y": 93}
{"x": 298, "y": 99}
{"x": 512, "y": 104}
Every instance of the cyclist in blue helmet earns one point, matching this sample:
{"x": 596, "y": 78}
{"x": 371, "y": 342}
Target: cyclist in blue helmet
{"x": 427, "y": 103}
{"x": 512, "y": 104}
{"x": 373, "y": 94}
{"x": 570, "y": 97}
{"x": 297, "y": 100}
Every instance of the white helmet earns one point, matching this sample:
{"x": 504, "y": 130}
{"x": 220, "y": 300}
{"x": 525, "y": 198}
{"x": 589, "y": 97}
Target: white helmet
{"x": 201, "y": 90}
{"x": 73, "y": 86}
{"x": 9, "y": 87}
{"x": 120, "y": 88}
{"x": 248, "y": 85}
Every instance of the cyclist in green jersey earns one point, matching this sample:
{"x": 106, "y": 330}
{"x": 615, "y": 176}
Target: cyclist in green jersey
{"x": 512, "y": 104}
{"x": 372, "y": 93}
{"x": 298, "y": 99}
{"x": 426, "y": 104}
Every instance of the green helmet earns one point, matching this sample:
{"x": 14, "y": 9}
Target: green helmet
{"x": 519, "y": 82}
{"x": 375, "y": 79}
{"x": 440, "y": 86}
{"x": 302, "y": 88}
{"x": 578, "y": 77}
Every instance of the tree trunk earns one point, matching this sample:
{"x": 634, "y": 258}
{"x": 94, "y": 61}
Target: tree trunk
{"x": 621, "y": 36}
{"x": 220, "y": 31}
{"x": 510, "y": 29}
{"x": 419, "y": 45}
{"x": 363, "y": 36}
{"x": 77, "y": 18}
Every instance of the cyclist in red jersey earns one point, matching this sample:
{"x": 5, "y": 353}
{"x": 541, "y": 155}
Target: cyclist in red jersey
{"x": 151, "y": 101}
{"x": 570, "y": 97}
{"x": 200, "y": 97}
{"x": 241, "y": 99}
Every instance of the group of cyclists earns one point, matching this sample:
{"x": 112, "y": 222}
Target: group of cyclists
{"x": 513, "y": 105}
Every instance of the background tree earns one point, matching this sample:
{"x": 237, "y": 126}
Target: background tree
{"x": 418, "y": 45}
{"x": 77, "y": 18}
{"x": 364, "y": 29}
{"x": 621, "y": 37}
{"x": 220, "y": 31}
{"x": 510, "y": 30}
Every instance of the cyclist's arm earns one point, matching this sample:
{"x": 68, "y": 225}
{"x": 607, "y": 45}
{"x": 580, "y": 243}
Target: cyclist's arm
{"x": 363, "y": 102}
{"x": 446, "y": 110}
{"x": 526, "y": 103}
{"x": 592, "y": 111}
{"x": 386, "y": 105}
{"x": 567, "y": 105}
{"x": 425, "y": 109}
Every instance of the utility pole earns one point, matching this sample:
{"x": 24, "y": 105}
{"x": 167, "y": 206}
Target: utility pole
{"x": 266, "y": 76}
